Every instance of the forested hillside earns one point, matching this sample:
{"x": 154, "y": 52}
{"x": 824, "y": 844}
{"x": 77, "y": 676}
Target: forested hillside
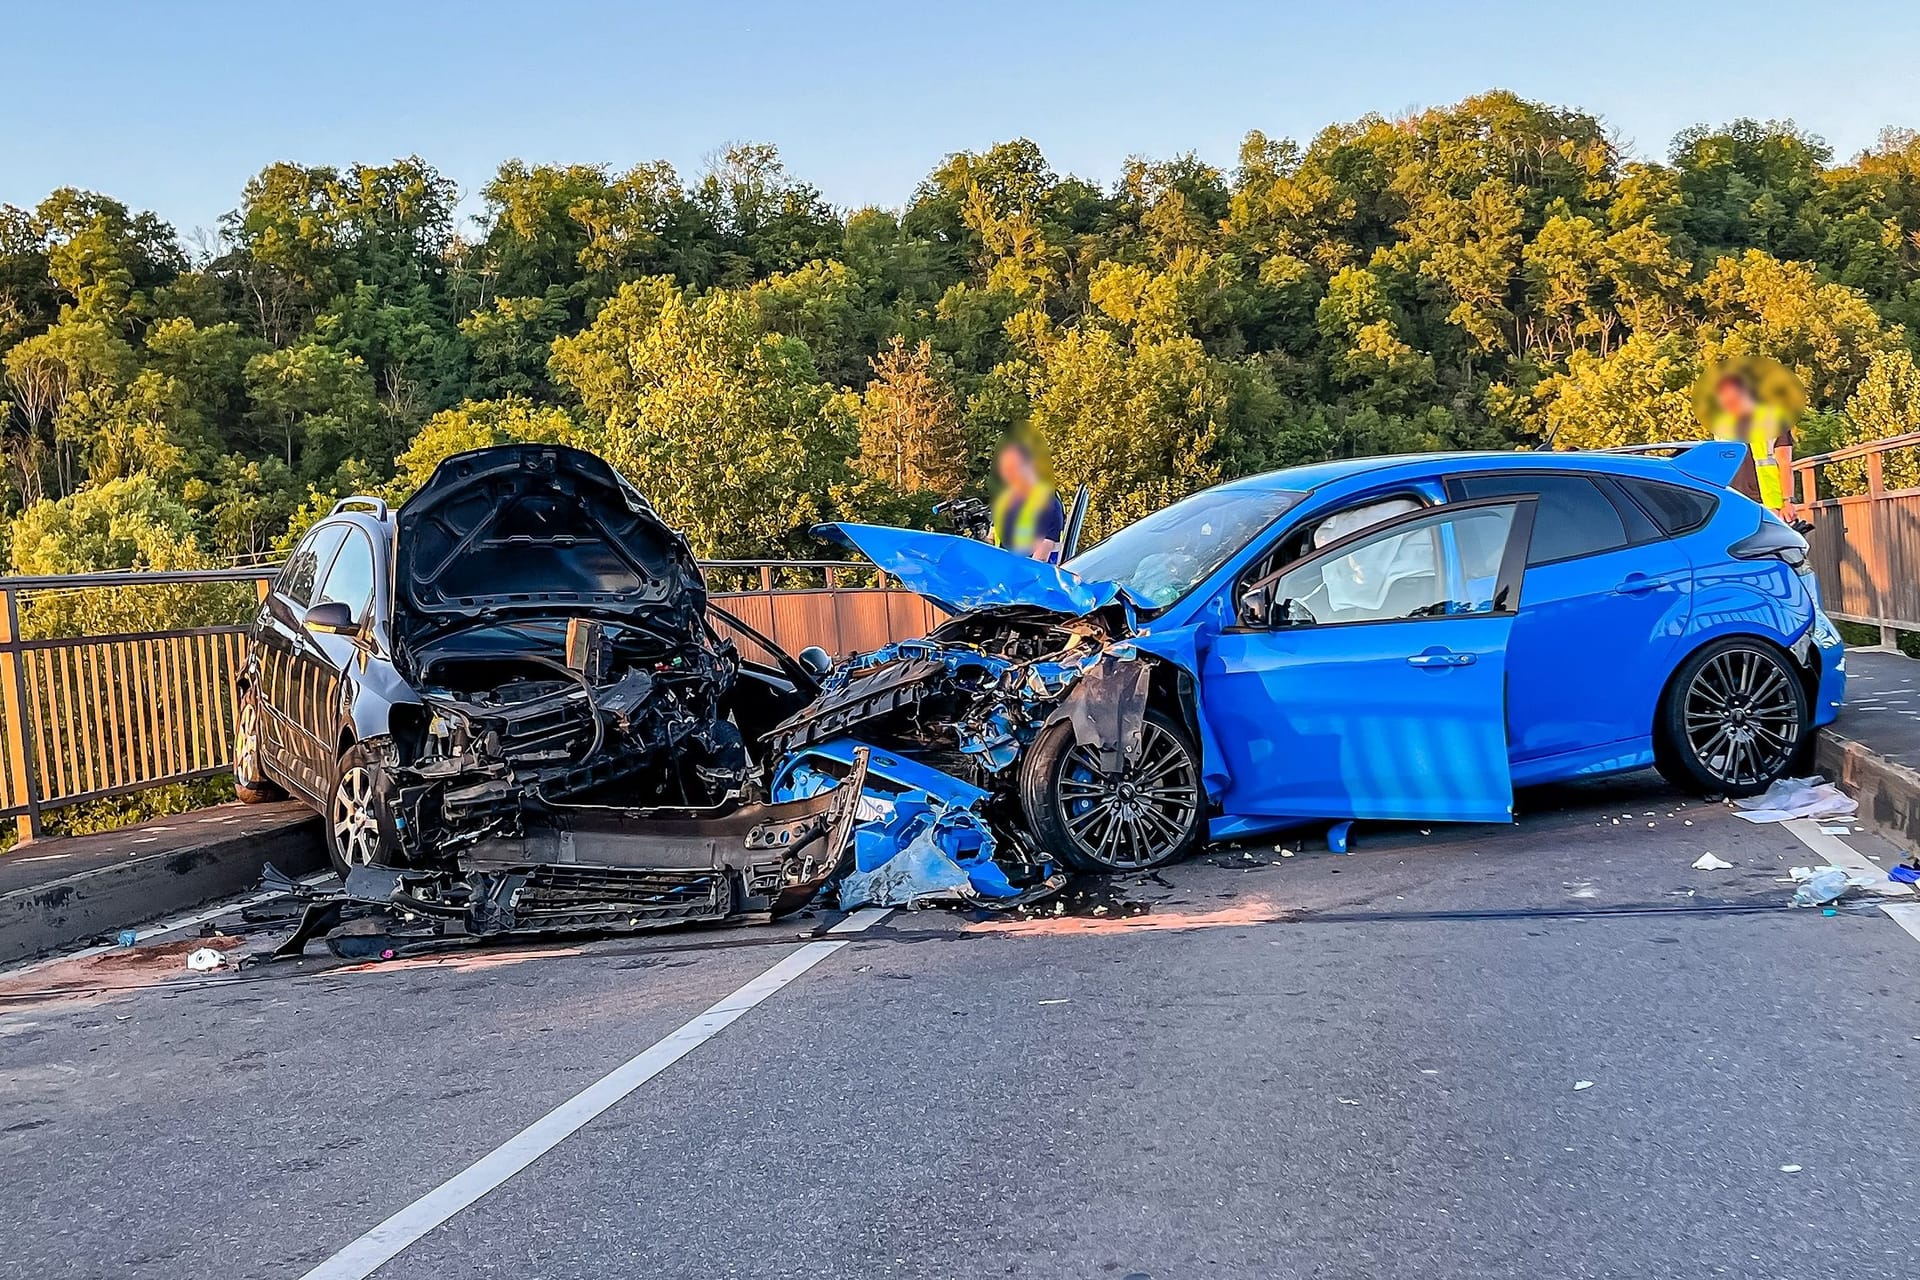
{"x": 1485, "y": 275}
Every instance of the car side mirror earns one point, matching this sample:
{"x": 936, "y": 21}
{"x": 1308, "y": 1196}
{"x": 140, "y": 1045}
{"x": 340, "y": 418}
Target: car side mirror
{"x": 1255, "y": 606}
{"x": 815, "y": 660}
{"x": 330, "y": 617}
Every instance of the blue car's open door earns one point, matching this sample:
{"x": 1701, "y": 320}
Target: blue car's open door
{"x": 1368, "y": 679}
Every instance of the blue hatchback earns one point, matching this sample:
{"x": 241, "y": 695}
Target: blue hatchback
{"x": 1389, "y": 638}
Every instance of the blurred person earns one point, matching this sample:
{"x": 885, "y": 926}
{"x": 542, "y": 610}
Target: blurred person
{"x": 1028, "y": 518}
{"x": 1739, "y": 412}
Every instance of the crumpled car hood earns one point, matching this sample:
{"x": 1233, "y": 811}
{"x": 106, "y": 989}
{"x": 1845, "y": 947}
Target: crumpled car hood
{"x": 535, "y": 530}
{"x": 961, "y": 575}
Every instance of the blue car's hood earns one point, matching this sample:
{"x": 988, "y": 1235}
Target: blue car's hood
{"x": 961, "y": 575}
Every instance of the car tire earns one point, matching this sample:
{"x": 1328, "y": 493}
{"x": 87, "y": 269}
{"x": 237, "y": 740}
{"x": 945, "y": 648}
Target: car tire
{"x": 1153, "y": 814}
{"x": 250, "y": 783}
{"x": 1734, "y": 718}
{"x": 357, "y": 820}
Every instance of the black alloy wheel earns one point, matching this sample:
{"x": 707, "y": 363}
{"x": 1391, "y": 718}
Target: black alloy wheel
{"x": 1151, "y": 813}
{"x": 1734, "y": 719}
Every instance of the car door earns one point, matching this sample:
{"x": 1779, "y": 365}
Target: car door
{"x": 320, "y": 658}
{"x": 1607, "y": 601}
{"x": 281, "y": 636}
{"x": 1366, "y": 680}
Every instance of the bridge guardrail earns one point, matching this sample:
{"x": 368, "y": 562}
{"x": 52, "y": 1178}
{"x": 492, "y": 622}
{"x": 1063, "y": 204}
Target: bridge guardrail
{"x": 1864, "y": 502}
{"x": 92, "y": 717}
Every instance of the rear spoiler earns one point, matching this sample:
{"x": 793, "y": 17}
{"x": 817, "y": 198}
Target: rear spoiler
{"x": 1716, "y": 462}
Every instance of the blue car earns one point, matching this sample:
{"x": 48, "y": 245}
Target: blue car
{"x": 1400, "y": 638}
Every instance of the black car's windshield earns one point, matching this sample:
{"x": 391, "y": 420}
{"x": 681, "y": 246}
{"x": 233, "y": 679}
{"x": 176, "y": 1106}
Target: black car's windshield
{"x": 1169, "y": 553}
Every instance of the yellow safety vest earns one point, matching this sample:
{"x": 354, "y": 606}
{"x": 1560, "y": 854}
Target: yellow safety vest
{"x": 1026, "y": 522}
{"x": 1761, "y": 435}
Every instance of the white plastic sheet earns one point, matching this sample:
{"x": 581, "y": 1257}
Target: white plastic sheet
{"x": 1791, "y": 798}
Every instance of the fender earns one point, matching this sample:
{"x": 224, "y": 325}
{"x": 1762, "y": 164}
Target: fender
{"x": 1106, "y": 708}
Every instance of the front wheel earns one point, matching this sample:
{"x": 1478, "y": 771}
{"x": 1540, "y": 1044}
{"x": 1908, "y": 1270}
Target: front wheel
{"x": 1152, "y": 813}
{"x": 357, "y": 818}
{"x": 1733, "y": 720}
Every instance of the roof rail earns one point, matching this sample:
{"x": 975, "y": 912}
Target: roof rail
{"x": 379, "y": 505}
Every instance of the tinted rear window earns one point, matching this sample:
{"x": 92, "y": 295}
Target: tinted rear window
{"x": 1575, "y": 518}
{"x": 1674, "y": 508}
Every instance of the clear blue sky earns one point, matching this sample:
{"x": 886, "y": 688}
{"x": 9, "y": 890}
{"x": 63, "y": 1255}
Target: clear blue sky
{"x": 172, "y": 105}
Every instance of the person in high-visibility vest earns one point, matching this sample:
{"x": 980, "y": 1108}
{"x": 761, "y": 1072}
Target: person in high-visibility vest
{"x": 1027, "y": 516}
{"x": 1768, "y": 434}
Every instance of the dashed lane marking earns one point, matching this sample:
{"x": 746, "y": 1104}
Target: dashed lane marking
{"x": 388, "y": 1240}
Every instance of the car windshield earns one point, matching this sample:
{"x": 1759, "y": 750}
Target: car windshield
{"x": 1167, "y": 554}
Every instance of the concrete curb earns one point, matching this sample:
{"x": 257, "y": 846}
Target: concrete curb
{"x": 138, "y": 890}
{"x": 1889, "y": 793}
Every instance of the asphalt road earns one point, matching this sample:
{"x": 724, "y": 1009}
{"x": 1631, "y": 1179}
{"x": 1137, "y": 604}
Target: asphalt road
{"x": 1306, "y": 1066}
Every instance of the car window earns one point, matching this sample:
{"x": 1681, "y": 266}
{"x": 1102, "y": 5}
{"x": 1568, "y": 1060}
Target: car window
{"x": 1575, "y": 518}
{"x": 298, "y": 579}
{"x": 1160, "y": 558}
{"x": 1675, "y": 508}
{"x": 350, "y": 580}
{"x": 1405, "y": 572}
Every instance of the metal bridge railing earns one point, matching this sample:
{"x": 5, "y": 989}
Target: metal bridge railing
{"x": 93, "y": 716}
{"x": 1865, "y": 505}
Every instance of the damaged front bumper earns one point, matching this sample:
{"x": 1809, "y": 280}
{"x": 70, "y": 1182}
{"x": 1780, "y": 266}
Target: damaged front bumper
{"x": 611, "y": 870}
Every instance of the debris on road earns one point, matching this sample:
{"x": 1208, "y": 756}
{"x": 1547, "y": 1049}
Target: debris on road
{"x": 1819, "y": 885}
{"x": 1579, "y": 1085}
{"x": 206, "y": 960}
{"x": 1791, "y": 798}
{"x": 1707, "y": 862}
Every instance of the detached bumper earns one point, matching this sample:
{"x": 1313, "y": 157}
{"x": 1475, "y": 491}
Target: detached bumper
{"x": 588, "y": 868}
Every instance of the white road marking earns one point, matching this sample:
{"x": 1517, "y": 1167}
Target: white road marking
{"x": 1906, "y": 915}
{"x": 165, "y": 926}
{"x": 1835, "y": 852}
{"x": 388, "y": 1240}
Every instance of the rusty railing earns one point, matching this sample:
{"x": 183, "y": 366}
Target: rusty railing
{"x": 1864, "y": 502}
{"x": 96, "y": 716}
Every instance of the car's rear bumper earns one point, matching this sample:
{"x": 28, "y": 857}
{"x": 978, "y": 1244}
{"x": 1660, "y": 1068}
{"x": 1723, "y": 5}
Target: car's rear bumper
{"x": 1830, "y": 669}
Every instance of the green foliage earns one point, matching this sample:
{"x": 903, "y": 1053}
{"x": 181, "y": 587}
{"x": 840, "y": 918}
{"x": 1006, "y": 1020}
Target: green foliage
{"x": 1486, "y": 274}
{"x": 130, "y": 522}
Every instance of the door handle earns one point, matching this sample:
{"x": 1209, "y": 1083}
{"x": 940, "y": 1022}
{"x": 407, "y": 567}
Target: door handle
{"x": 1638, "y": 584}
{"x": 1437, "y": 659}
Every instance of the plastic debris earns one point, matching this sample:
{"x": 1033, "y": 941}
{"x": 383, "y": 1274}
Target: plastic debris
{"x": 128, "y": 937}
{"x": 1789, "y": 1168}
{"x": 1790, "y": 798}
{"x": 1905, "y": 873}
{"x": 1337, "y": 837}
{"x": 206, "y": 959}
{"x": 920, "y": 853}
{"x": 1707, "y": 862}
{"x": 1819, "y": 886}
{"x": 1578, "y": 1085}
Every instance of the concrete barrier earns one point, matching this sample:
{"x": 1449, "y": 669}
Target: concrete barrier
{"x": 119, "y": 885}
{"x": 1888, "y": 792}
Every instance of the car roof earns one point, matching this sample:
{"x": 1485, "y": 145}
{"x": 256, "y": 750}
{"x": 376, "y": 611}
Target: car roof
{"x": 1318, "y": 475}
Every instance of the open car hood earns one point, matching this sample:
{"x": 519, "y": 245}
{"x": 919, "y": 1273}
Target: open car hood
{"x": 961, "y": 575}
{"x": 538, "y": 530}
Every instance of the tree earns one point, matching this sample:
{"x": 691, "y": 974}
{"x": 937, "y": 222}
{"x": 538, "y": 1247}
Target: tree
{"x": 911, "y": 434}
{"x": 728, "y": 429}
{"x": 130, "y": 522}
{"x": 315, "y": 400}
